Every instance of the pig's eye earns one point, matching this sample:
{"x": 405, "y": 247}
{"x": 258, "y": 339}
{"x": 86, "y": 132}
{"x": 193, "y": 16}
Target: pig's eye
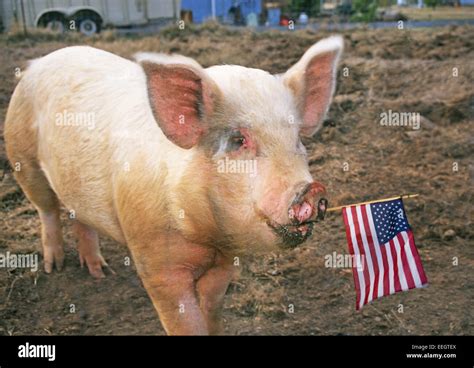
{"x": 236, "y": 141}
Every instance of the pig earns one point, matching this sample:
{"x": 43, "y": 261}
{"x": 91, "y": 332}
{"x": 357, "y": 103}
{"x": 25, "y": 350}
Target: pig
{"x": 134, "y": 150}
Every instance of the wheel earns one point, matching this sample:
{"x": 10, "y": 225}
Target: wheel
{"x": 54, "y": 22}
{"x": 55, "y": 26}
{"x": 88, "y": 25}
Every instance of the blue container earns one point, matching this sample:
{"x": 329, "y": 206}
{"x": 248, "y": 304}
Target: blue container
{"x": 274, "y": 15}
{"x": 202, "y": 9}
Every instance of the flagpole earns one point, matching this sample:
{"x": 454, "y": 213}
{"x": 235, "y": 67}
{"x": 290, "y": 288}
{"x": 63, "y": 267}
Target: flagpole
{"x": 406, "y": 196}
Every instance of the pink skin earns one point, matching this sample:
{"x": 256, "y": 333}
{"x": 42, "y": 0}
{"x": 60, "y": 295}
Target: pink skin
{"x": 52, "y": 239}
{"x": 88, "y": 248}
{"x": 165, "y": 83}
{"x": 248, "y": 145}
{"x": 305, "y": 210}
{"x": 302, "y": 210}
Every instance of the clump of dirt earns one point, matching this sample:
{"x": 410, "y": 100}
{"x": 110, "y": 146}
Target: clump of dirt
{"x": 425, "y": 71}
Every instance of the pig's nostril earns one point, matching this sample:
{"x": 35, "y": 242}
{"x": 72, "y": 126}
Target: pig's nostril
{"x": 301, "y": 212}
{"x": 303, "y": 205}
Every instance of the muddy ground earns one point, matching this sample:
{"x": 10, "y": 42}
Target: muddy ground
{"x": 401, "y": 70}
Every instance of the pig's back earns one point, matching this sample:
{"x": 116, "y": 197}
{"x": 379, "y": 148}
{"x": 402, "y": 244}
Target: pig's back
{"x": 93, "y": 119}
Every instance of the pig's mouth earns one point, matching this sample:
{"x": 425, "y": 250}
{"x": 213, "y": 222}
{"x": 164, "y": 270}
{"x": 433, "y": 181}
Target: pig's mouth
{"x": 291, "y": 234}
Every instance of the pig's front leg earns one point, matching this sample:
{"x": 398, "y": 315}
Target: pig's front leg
{"x": 211, "y": 288}
{"x": 170, "y": 269}
{"x": 172, "y": 292}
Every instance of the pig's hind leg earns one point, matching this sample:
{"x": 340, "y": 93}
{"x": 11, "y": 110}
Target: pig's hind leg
{"x": 38, "y": 191}
{"x": 22, "y": 150}
{"x": 89, "y": 249}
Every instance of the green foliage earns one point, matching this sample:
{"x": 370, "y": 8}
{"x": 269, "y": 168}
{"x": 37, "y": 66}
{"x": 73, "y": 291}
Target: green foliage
{"x": 432, "y": 3}
{"x": 364, "y": 10}
{"x": 310, "y": 7}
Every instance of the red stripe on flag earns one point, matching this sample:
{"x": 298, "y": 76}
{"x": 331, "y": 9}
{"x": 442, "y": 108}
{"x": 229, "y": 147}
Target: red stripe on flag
{"x": 416, "y": 256}
{"x": 406, "y": 265}
{"x": 362, "y": 253}
{"x": 396, "y": 276}
{"x": 351, "y": 251}
{"x": 386, "y": 274}
{"x": 370, "y": 241}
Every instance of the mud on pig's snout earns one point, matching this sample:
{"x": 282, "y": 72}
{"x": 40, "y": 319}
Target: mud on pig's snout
{"x": 303, "y": 206}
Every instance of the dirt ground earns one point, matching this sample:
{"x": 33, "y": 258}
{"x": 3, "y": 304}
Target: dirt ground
{"x": 401, "y": 70}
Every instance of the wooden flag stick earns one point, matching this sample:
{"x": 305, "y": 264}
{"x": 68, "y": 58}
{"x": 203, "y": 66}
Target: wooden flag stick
{"x": 332, "y": 209}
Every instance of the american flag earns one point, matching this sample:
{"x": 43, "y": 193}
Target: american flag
{"x": 379, "y": 235}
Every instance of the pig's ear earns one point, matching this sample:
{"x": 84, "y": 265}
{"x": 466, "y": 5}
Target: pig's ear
{"x": 182, "y": 96}
{"x": 312, "y": 80}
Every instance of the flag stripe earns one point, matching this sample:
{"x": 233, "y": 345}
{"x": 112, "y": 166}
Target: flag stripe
{"x": 381, "y": 260}
{"x": 373, "y": 257}
{"x": 400, "y": 265}
{"x": 391, "y": 278}
{"x": 360, "y": 245}
{"x": 357, "y": 253}
{"x": 398, "y": 286}
{"x": 406, "y": 265}
{"x": 386, "y": 276}
{"x": 355, "y": 273}
{"x": 411, "y": 260}
{"x": 368, "y": 256}
{"x": 416, "y": 256}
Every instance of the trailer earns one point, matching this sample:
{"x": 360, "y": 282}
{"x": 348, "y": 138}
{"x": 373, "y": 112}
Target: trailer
{"x": 86, "y": 16}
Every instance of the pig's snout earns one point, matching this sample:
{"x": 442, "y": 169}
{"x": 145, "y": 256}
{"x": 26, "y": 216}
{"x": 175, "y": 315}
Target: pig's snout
{"x": 301, "y": 212}
{"x": 303, "y": 206}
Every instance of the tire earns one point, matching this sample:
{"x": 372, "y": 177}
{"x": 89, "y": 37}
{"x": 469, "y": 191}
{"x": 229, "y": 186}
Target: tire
{"x": 88, "y": 25}
{"x": 53, "y": 22}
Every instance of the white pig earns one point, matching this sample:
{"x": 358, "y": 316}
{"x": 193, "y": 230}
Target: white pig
{"x": 189, "y": 167}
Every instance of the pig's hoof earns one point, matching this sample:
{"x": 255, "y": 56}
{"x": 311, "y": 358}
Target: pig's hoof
{"x": 94, "y": 264}
{"x": 48, "y": 267}
{"x": 53, "y": 258}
